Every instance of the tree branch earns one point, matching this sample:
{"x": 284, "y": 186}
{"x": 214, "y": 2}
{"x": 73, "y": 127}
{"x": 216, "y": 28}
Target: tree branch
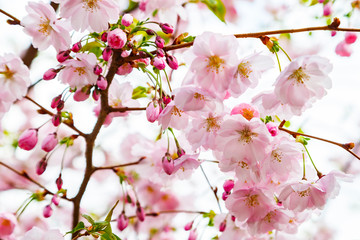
{"x": 120, "y": 165}
{"x": 126, "y": 109}
{"x": 14, "y": 20}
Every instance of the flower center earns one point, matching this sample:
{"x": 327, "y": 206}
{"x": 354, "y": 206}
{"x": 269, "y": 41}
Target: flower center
{"x": 176, "y": 112}
{"x": 90, "y": 5}
{"x": 80, "y": 70}
{"x": 215, "y": 63}
{"x": 199, "y": 96}
{"x": 243, "y": 164}
{"x": 251, "y": 200}
{"x": 247, "y": 113}
{"x": 268, "y": 217}
{"x": 244, "y": 69}
{"x": 246, "y": 135}
{"x": 212, "y": 124}
{"x": 276, "y": 156}
{"x": 7, "y": 73}
{"x": 299, "y": 76}
{"x": 304, "y": 193}
{"x": 44, "y": 26}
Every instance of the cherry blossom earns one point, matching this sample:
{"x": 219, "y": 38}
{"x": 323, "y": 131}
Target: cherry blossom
{"x": 42, "y": 24}
{"x": 8, "y": 223}
{"x": 38, "y": 234}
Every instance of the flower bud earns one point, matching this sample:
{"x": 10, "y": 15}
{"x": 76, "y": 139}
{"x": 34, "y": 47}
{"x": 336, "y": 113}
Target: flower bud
{"x": 50, "y": 74}
{"x": 140, "y": 213}
{"x": 222, "y": 226}
{"x": 47, "y": 211}
{"x": 159, "y": 63}
{"x": 55, "y": 101}
{"x": 272, "y": 128}
{"x": 28, "y": 139}
{"x": 104, "y": 37}
{"x": 333, "y": 33}
{"x": 127, "y": 20}
{"x": 166, "y": 28}
{"x": 62, "y": 56}
{"x": 172, "y": 62}
{"x": 60, "y": 105}
{"x": 343, "y": 49}
{"x": 117, "y": 38}
{"x": 152, "y": 111}
{"x": 150, "y": 32}
{"x": 41, "y": 166}
{"x": 350, "y": 37}
{"x": 55, "y": 200}
{"x": 225, "y": 195}
{"x": 106, "y": 54}
{"x": 142, "y": 5}
{"x": 168, "y": 164}
{"x": 166, "y": 100}
{"x": 192, "y": 235}
{"x": 56, "y": 119}
{"x": 96, "y": 94}
{"x": 101, "y": 83}
{"x": 49, "y": 143}
{"x": 327, "y": 10}
{"x": 97, "y": 69}
{"x": 7, "y": 224}
{"x": 59, "y": 182}
{"x": 188, "y": 226}
{"x": 160, "y": 52}
{"x": 228, "y": 185}
{"x": 180, "y": 152}
{"x": 233, "y": 218}
{"x": 81, "y": 95}
{"x": 124, "y": 69}
{"x": 160, "y": 42}
{"x": 122, "y": 221}
{"x": 76, "y": 47}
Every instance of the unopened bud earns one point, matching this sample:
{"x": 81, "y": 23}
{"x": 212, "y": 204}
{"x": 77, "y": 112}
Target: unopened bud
{"x": 122, "y": 221}
{"x": 49, "y": 143}
{"x": 41, "y": 166}
{"x": 160, "y": 42}
{"x": 62, "y": 56}
{"x": 172, "y": 62}
{"x": 101, "y": 83}
{"x": 97, "y": 69}
{"x": 55, "y": 200}
{"x": 96, "y": 94}
{"x": 188, "y": 226}
{"x": 47, "y": 211}
{"x": 168, "y": 164}
{"x": 28, "y": 139}
{"x": 228, "y": 185}
{"x": 166, "y": 28}
{"x": 106, "y": 54}
{"x": 56, "y": 119}
{"x": 76, "y": 47}
{"x": 140, "y": 213}
{"x": 55, "y": 101}
{"x": 59, "y": 182}
{"x": 159, "y": 63}
{"x": 225, "y": 195}
{"x": 50, "y": 74}
{"x": 104, "y": 37}
{"x": 127, "y": 20}
{"x": 222, "y": 226}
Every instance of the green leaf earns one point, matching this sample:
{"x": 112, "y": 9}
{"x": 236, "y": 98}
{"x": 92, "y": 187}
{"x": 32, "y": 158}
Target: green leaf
{"x": 189, "y": 39}
{"x": 88, "y": 218}
{"x": 108, "y": 229}
{"x": 132, "y": 6}
{"x": 94, "y": 35}
{"x": 79, "y": 226}
{"x": 91, "y": 45}
{"x": 217, "y": 7}
{"x": 287, "y": 124}
{"x": 139, "y": 92}
{"x": 96, "y": 50}
{"x": 211, "y": 215}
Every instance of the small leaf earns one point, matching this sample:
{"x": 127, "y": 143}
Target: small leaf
{"x": 79, "y": 226}
{"x": 139, "y": 92}
{"x": 88, "y": 218}
{"x": 287, "y": 124}
{"x": 217, "y": 7}
{"x": 132, "y": 6}
{"x": 91, "y": 45}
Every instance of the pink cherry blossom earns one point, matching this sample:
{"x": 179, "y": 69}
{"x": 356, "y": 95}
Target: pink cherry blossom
{"x": 173, "y": 116}
{"x": 28, "y": 139}
{"x": 8, "y": 223}
{"x": 117, "y": 38}
{"x": 274, "y": 220}
{"x": 152, "y": 111}
{"x": 127, "y": 20}
{"x": 38, "y": 234}
{"x": 246, "y": 110}
{"x": 272, "y": 128}
{"x": 215, "y": 62}
{"x": 343, "y": 49}
{"x": 248, "y": 73}
{"x": 303, "y": 81}
{"x": 14, "y": 78}
{"x": 43, "y": 26}
{"x": 350, "y": 37}
{"x": 159, "y": 63}
{"x": 79, "y": 72}
{"x": 93, "y": 15}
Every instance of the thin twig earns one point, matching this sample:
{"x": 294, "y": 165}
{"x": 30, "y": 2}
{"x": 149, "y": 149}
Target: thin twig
{"x": 346, "y": 146}
{"x": 14, "y": 20}
{"x": 155, "y": 214}
{"x": 120, "y": 165}
{"x": 214, "y": 190}
{"x": 126, "y": 109}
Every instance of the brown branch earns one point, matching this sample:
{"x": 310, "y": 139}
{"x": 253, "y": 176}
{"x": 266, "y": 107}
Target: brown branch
{"x": 14, "y": 20}
{"x": 126, "y": 109}
{"x": 26, "y": 176}
{"x": 155, "y": 214}
{"x": 346, "y": 146}
{"x": 45, "y": 111}
{"x": 120, "y": 165}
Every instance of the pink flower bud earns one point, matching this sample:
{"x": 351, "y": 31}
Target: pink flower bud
{"x": 152, "y": 111}
{"x": 41, "y": 166}
{"x": 117, "y": 38}
{"x": 272, "y": 128}
{"x": 233, "y": 218}
{"x": 222, "y": 226}
{"x": 142, "y": 5}
{"x": 188, "y": 226}
{"x": 150, "y": 32}
{"x": 333, "y": 33}
{"x": 192, "y": 235}
{"x": 180, "y": 152}
{"x": 160, "y": 52}
{"x": 97, "y": 69}
{"x": 350, "y": 37}
{"x": 81, "y": 95}
{"x": 7, "y": 224}
{"x": 122, "y": 221}
{"x": 320, "y": 1}
{"x": 60, "y": 105}
{"x": 56, "y": 119}
{"x": 62, "y": 56}
{"x": 166, "y": 28}
{"x": 55, "y": 101}
{"x": 76, "y": 47}
{"x": 225, "y": 195}
{"x": 228, "y": 185}
{"x": 168, "y": 164}
{"x": 95, "y": 94}
{"x": 101, "y": 83}
{"x": 49, "y": 143}
{"x": 159, "y": 63}
{"x": 106, "y": 54}
{"x": 127, "y": 20}
{"x": 343, "y": 49}
{"x": 172, "y": 62}
{"x": 28, "y": 139}
{"x": 124, "y": 69}
{"x": 104, "y": 37}
{"x": 140, "y": 213}
{"x": 59, "y": 182}
{"x": 166, "y": 100}
{"x": 160, "y": 42}
{"x": 50, "y": 74}
{"x": 55, "y": 200}
{"x": 327, "y": 9}
{"x": 47, "y": 211}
